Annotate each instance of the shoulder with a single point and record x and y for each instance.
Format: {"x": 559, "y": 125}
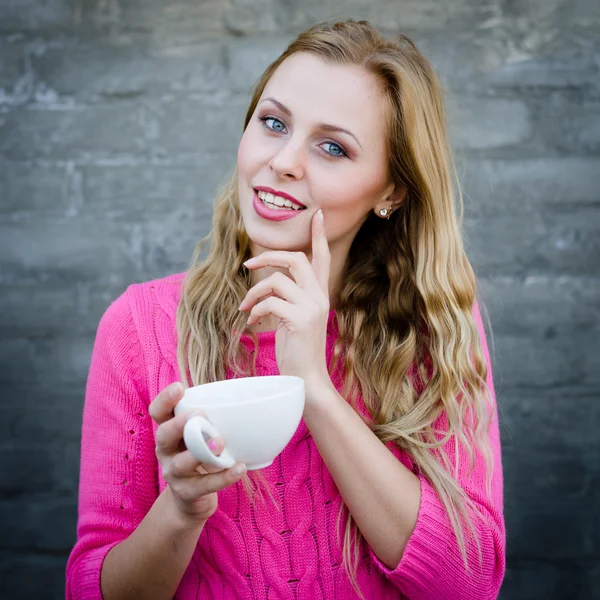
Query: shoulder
{"x": 164, "y": 293}
{"x": 139, "y": 297}
{"x": 145, "y": 310}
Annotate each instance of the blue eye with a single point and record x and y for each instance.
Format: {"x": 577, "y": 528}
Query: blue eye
{"x": 276, "y": 125}
{"x": 335, "y": 149}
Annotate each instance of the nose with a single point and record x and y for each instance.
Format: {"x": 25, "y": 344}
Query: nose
{"x": 288, "y": 162}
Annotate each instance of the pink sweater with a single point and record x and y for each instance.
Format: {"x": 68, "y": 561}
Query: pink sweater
{"x": 246, "y": 551}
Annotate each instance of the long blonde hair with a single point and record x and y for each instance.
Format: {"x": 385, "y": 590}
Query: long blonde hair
{"x": 407, "y": 342}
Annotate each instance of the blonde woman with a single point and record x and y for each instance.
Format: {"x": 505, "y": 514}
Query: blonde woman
{"x": 336, "y": 256}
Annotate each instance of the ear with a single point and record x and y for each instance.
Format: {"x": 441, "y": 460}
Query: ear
{"x": 397, "y": 197}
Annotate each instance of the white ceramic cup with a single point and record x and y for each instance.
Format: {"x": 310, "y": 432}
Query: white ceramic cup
{"x": 255, "y": 416}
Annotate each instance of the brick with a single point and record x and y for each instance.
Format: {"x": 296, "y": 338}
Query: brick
{"x": 543, "y": 305}
{"x": 550, "y": 17}
{"x": 32, "y": 467}
{"x": 478, "y": 123}
{"x": 462, "y": 60}
{"x": 570, "y": 537}
{"x": 84, "y": 250}
{"x": 27, "y": 188}
{"x": 188, "y": 128}
{"x": 249, "y": 57}
{"x": 30, "y": 15}
{"x": 12, "y": 67}
{"x": 78, "y": 132}
{"x": 550, "y": 478}
{"x": 168, "y": 245}
{"x": 499, "y": 187}
{"x": 90, "y": 250}
{"x": 531, "y": 579}
{"x": 45, "y": 412}
{"x": 543, "y": 362}
{"x": 193, "y": 127}
{"x": 534, "y": 10}
{"x": 62, "y": 360}
{"x": 27, "y": 309}
{"x": 546, "y": 72}
{"x": 34, "y": 310}
{"x": 99, "y": 71}
{"x": 575, "y": 412}
{"x": 566, "y": 122}
{"x": 543, "y": 331}
{"x": 540, "y": 243}
{"x": 44, "y": 524}
{"x": 186, "y": 190}
{"x": 180, "y": 20}
{"x": 271, "y": 16}
{"x": 593, "y": 574}
{"x": 18, "y": 583}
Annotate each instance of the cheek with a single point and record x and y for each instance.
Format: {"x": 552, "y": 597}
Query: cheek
{"x": 253, "y": 151}
{"x": 244, "y": 156}
{"x": 346, "y": 192}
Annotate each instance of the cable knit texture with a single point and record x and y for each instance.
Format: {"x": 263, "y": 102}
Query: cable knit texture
{"x": 251, "y": 551}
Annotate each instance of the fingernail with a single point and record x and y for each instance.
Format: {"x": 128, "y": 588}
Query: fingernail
{"x": 320, "y": 216}
{"x": 212, "y": 444}
{"x": 239, "y": 469}
{"x": 175, "y": 390}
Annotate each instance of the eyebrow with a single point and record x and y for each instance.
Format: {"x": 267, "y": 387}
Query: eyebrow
{"x": 284, "y": 109}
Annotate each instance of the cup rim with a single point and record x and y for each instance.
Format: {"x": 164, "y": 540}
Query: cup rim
{"x": 299, "y": 382}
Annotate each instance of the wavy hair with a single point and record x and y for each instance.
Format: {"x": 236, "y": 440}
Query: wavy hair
{"x": 408, "y": 343}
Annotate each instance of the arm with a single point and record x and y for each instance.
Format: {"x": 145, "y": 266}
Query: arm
{"x": 129, "y": 542}
{"x": 369, "y": 477}
{"x": 399, "y": 513}
{"x": 151, "y": 562}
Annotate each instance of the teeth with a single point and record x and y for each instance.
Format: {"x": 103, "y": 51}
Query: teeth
{"x": 278, "y": 201}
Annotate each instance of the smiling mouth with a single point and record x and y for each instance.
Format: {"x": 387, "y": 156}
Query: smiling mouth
{"x": 276, "y": 202}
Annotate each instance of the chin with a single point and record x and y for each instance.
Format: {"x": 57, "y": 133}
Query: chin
{"x": 272, "y": 242}
{"x": 266, "y": 236}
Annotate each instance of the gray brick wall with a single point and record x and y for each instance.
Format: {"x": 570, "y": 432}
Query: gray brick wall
{"x": 118, "y": 120}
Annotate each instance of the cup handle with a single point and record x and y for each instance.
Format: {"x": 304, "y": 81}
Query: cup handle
{"x": 194, "y": 440}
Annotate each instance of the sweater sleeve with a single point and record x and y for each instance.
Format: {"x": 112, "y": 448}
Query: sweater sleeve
{"x": 432, "y": 567}
{"x": 118, "y": 472}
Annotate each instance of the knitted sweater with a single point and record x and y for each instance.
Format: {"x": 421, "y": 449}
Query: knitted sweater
{"x": 251, "y": 551}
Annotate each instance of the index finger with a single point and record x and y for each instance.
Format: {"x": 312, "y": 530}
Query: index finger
{"x": 162, "y": 407}
{"x": 321, "y": 258}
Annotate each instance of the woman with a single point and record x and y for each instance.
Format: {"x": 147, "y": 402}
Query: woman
{"x": 374, "y": 306}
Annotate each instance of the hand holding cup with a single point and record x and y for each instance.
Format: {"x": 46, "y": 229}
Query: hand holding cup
{"x": 193, "y": 484}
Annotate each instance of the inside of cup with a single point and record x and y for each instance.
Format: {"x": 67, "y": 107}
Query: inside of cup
{"x": 244, "y": 389}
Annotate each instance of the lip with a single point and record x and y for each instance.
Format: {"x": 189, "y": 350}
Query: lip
{"x": 276, "y": 193}
{"x": 270, "y": 213}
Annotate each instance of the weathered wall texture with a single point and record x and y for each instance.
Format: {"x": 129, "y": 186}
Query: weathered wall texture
{"x": 119, "y": 118}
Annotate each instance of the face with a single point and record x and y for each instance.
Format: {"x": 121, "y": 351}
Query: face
{"x": 318, "y": 135}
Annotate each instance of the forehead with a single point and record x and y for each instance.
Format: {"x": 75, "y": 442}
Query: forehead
{"x": 344, "y": 95}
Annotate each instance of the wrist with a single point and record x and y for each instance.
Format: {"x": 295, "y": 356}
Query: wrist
{"x": 178, "y": 518}
{"x": 320, "y": 396}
